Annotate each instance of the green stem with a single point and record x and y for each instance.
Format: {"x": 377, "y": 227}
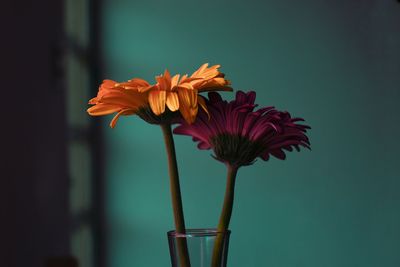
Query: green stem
{"x": 176, "y": 195}
{"x": 225, "y": 217}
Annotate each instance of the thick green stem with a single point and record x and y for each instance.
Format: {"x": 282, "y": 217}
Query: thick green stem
{"x": 176, "y": 195}
{"x": 225, "y": 217}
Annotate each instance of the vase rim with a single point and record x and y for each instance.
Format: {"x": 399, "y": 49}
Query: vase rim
{"x": 198, "y": 232}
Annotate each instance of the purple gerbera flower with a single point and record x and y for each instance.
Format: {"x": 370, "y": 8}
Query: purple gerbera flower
{"x": 238, "y": 133}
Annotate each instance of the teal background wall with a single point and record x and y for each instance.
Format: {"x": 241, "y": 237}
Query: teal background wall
{"x": 335, "y": 63}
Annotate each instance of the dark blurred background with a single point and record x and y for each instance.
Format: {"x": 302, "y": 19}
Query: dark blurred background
{"x": 74, "y": 192}
{"x": 50, "y": 191}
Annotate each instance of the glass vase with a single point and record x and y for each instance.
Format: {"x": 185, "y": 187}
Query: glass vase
{"x": 200, "y": 246}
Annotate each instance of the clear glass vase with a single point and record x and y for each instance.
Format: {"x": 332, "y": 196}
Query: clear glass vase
{"x": 200, "y": 246}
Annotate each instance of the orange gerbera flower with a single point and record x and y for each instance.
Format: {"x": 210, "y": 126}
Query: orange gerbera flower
{"x": 182, "y": 93}
{"x": 137, "y": 96}
{"x": 113, "y": 98}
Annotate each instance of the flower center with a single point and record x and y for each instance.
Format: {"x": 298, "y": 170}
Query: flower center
{"x": 235, "y": 149}
{"x": 167, "y": 117}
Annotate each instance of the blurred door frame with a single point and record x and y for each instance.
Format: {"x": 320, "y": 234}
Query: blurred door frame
{"x": 81, "y": 59}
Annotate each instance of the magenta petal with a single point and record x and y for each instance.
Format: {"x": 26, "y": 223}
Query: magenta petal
{"x": 204, "y": 145}
{"x": 239, "y": 134}
{"x": 265, "y": 156}
{"x": 214, "y": 97}
{"x": 278, "y": 154}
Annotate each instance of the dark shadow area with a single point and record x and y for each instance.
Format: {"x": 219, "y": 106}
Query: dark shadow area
{"x": 34, "y": 189}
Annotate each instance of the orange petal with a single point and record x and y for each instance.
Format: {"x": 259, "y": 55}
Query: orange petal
{"x": 164, "y": 81}
{"x": 203, "y": 105}
{"x": 107, "y": 84}
{"x": 122, "y": 112}
{"x": 209, "y": 88}
{"x": 199, "y": 70}
{"x": 172, "y": 101}
{"x": 148, "y": 88}
{"x": 184, "y": 77}
{"x": 93, "y": 101}
{"x": 185, "y": 86}
{"x": 206, "y": 72}
{"x": 157, "y": 101}
{"x": 188, "y": 104}
{"x": 135, "y": 84}
{"x": 167, "y": 74}
{"x": 138, "y": 82}
{"x": 215, "y": 84}
{"x": 103, "y": 109}
{"x": 125, "y": 100}
{"x": 174, "y": 81}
